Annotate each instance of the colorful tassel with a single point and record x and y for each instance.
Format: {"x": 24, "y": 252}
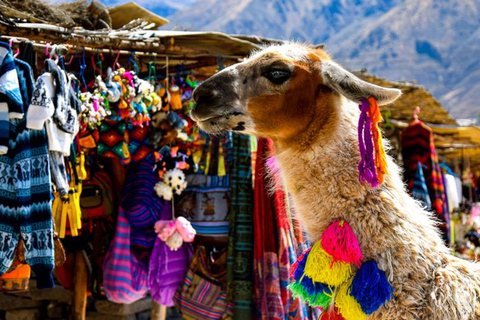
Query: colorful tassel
{"x": 331, "y": 314}
{"x": 339, "y": 241}
{"x": 300, "y": 266}
{"x": 320, "y": 267}
{"x": 347, "y": 306}
{"x": 380, "y": 156}
{"x": 324, "y": 279}
{"x": 316, "y": 300}
{"x": 370, "y": 287}
{"x": 366, "y": 167}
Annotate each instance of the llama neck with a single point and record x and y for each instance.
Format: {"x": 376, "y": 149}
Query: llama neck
{"x": 323, "y": 181}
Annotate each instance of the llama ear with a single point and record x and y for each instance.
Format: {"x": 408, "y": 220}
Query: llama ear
{"x": 354, "y": 88}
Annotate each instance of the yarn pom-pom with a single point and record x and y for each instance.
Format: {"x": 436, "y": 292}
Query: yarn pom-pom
{"x": 339, "y": 241}
{"x": 370, "y": 287}
{"x": 320, "y": 267}
{"x": 348, "y": 307}
{"x": 331, "y": 314}
{"x": 320, "y": 300}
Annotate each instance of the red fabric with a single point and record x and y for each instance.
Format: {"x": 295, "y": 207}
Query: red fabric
{"x": 418, "y": 146}
{"x": 267, "y": 279}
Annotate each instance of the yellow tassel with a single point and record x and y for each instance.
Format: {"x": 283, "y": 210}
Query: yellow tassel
{"x": 320, "y": 269}
{"x": 348, "y": 307}
{"x": 380, "y": 156}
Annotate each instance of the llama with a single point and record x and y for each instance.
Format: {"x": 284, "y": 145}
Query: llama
{"x": 308, "y": 105}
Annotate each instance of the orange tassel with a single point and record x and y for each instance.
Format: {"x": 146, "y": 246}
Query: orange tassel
{"x": 380, "y": 156}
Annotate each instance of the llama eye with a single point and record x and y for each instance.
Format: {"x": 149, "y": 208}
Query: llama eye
{"x": 277, "y": 76}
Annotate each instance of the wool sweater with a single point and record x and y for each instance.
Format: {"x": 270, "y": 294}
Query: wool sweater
{"x": 11, "y": 104}
{"x": 43, "y": 109}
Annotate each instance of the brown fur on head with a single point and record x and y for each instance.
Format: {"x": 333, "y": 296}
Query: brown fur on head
{"x": 281, "y": 92}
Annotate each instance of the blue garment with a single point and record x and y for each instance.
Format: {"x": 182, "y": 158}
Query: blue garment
{"x": 25, "y": 206}
{"x": 11, "y": 104}
{"x": 25, "y": 203}
{"x": 419, "y": 189}
{"x": 25, "y": 82}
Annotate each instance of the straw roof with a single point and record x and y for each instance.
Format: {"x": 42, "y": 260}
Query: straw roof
{"x": 123, "y": 14}
{"x": 413, "y": 95}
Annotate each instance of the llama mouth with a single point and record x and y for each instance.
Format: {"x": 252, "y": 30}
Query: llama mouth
{"x": 214, "y": 125}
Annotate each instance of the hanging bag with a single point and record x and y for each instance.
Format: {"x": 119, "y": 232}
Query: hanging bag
{"x": 124, "y": 278}
{"x": 203, "y": 294}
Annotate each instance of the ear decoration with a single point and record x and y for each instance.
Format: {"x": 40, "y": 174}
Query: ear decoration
{"x": 373, "y": 160}
{"x": 354, "y": 88}
{"x": 324, "y": 277}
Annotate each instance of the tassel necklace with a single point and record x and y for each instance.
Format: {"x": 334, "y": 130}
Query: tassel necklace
{"x": 324, "y": 277}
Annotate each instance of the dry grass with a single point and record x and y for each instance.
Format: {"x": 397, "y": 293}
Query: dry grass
{"x": 78, "y": 13}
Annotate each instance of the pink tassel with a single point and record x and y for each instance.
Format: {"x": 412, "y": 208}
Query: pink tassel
{"x": 339, "y": 241}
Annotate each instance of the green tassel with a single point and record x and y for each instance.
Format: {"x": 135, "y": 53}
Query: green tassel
{"x": 319, "y": 300}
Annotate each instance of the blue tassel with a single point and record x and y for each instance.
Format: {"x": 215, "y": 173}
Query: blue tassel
{"x": 298, "y": 274}
{"x": 315, "y": 288}
{"x": 370, "y": 287}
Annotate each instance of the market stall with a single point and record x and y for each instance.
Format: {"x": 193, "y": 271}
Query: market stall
{"x": 129, "y": 203}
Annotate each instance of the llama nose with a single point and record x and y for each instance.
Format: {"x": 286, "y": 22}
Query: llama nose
{"x": 205, "y": 99}
{"x": 204, "y": 93}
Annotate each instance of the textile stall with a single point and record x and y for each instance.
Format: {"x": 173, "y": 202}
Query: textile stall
{"x": 113, "y": 203}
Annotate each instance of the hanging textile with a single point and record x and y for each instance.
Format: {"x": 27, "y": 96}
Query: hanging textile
{"x": 24, "y": 178}
{"x": 124, "y": 277}
{"x": 142, "y": 206}
{"x": 418, "y": 146}
{"x": 167, "y": 267}
{"x": 419, "y": 188}
{"x": 268, "y": 293}
{"x": 240, "y": 245}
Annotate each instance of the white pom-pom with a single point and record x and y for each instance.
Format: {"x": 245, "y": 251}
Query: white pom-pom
{"x": 163, "y": 191}
{"x": 176, "y": 180}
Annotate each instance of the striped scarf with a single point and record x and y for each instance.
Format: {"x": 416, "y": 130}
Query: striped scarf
{"x": 240, "y": 246}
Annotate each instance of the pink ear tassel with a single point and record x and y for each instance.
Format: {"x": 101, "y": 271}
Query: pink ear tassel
{"x": 339, "y": 241}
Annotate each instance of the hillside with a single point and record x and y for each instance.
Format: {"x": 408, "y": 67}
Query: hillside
{"x": 433, "y": 42}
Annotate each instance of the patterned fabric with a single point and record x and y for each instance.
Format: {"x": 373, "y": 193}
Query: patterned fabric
{"x": 418, "y": 146}
{"x": 268, "y": 295}
{"x": 65, "y": 116}
{"x": 240, "y": 245}
{"x": 11, "y": 105}
{"x": 124, "y": 277}
{"x": 41, "y": 112}
{"x": 202, "y": 296}
{"x": 419, "y": 189}
{"x": 142, "y": 206}
{"x": 25, "y": 206}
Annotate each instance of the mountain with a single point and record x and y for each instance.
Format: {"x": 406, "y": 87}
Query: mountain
{"x": 435, "y": 43}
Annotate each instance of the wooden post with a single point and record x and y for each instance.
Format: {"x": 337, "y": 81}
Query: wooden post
{"x": 80, "y": 280}
{"x": 159, "y": 312}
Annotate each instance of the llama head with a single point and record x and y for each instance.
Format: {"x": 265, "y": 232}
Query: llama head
{"x": 278, "y": 91}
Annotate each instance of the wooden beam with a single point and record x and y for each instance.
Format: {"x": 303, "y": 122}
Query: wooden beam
{"x": 80, "y": 281}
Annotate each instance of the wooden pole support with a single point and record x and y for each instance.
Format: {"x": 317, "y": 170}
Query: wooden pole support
{"x": 159, "y": 312}
{"x": 79, "y": 307}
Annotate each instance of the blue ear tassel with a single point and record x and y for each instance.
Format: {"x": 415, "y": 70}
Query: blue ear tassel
{"x": 370, "y": 287}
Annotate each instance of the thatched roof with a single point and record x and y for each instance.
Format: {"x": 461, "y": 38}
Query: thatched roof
{"x": 123, "y": 14}
{"x": 80, "y": 13}
{"x": 432, "y": 111}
